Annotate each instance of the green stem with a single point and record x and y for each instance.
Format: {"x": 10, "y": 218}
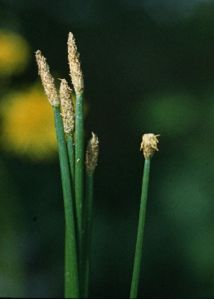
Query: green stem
{"x": 88, "y": 229}
{"x": 71, "y": 266}
{"x": 70, "y": 147}
{"x": 79, "y": 160}
{"x": 140, "y": 232}
{"x": 79, "y": 177}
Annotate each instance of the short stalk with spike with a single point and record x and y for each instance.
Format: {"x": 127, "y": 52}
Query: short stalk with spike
{"x": 92, "y": 153}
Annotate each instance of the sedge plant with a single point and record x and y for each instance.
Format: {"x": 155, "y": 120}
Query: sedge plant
{"x": 71, "y": 259}
{"x": 148, "y": 146}
{"x": 77, "y": 168}
{"x": 69, "y": 125}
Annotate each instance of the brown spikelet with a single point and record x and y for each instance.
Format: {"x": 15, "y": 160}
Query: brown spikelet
{"x": 47, "y": 79}
{"x": 67, "y": 109}
{"x": 74, "y": 65}
{"x": 92, "y": 153}
{"x": 149, "y": 144}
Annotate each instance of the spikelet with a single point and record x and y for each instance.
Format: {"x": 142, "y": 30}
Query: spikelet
{"x": 92, "y": 153}
{"x": 67, "y": 109}
{"x": 149, "y": 144}
{"x": 74, "y": 65}
{"x": 47, "y": 79}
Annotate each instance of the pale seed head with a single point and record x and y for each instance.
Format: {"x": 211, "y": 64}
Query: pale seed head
{"x": 67, "y": 109}
{"x": 47, "y": 79}
{"x": 74, "y": 65}
{"x": 149, "y": 144}
{"x": 92, "y": 153}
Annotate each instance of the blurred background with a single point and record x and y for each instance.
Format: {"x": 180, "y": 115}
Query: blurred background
{"x": 148, "y": 67}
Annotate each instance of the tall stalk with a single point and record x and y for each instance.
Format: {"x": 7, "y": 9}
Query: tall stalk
{"x": 79, "y": 183}
{"x": 71, "y": 263}
{"x": 78, "y": 84}
{"x": 140, "y": 232}
{"x": 149, "y": 146}
{"x": 71, "y": 266}
{"x": 67, "y": 113}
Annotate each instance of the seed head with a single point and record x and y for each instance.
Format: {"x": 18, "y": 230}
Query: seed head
{"x": 47, "y": 79}
{"x": 92, "y": 153}
{"x": 67, "y": 109}
{"x": 74, "y": 65}
{"x": 149, "y": 144}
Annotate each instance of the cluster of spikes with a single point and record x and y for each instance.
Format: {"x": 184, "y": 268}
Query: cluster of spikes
{"x": 64, "y": 100}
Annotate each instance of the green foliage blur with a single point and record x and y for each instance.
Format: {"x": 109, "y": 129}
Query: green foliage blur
{"x": 148, "y": 67}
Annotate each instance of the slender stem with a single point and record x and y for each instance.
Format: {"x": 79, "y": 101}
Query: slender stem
{"x": 79, "y": 180}
{"x": 88, "y": 229}
{"x": 71, "y": 265}
{"x": 140, "y": 232}
{"x": 79, "y": 161}
{"x": 70, "y": 147}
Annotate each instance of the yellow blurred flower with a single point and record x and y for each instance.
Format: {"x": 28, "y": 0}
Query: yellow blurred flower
{"x": 28, "y": 125}
{"x": 14, "y": 53}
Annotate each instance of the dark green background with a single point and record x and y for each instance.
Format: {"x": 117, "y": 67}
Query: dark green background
{"x": 148, "y": 67}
